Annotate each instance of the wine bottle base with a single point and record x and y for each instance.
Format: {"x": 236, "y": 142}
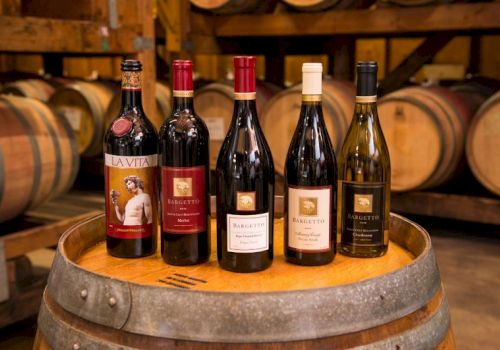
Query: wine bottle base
{"x": 309, "y": 259}
{"x": 244, "y": 269}
{"x": 130, "y": 248}
{"x": 185, "y": 262}
{"x": 362, "y": 251}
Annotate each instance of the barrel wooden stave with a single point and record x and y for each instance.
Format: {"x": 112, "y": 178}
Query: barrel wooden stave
{"x": 226, "y": 7}
{"x": 483, "y": 142}
{"x": 84, "y": 104}
{"x": 34, "y": 88}
{"x": 281, "y": 114}
{"x": 405, "y": 307}
{"x": 38, "y": 152}
{"x": 425, "y": 132}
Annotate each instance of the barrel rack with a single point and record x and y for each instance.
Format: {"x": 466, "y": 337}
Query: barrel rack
{"x": 56, "y": 29}
{"x": 333, "y": 33}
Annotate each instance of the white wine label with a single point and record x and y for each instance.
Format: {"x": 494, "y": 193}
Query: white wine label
{"x": 362, "y": 220}
{"x": 309, "y": 218}
{"x": 216, "y": 128}
{"x": 130, "y": 161}
{"x": 247, "y": 233}
{"x": 74, "y": 117}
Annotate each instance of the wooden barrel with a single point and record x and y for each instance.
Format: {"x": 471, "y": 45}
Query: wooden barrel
{"x": 226, "y": 7}
{"x": 214, "y": 104}
{"x": 38, "y": 155}
{"x": 84, "y": 105}
{"x": 34, "y": 88}
{"x": 281, "y": 115}
{"x": 411, "y": 3}
{"x": 321, "y": 5}
{"x": 162, "y": 98}
{"x": 425, "y": 131}
{"x": 483, "y": 143}
{"x": 476, "y": 91}
{"x": 96, "y": 301}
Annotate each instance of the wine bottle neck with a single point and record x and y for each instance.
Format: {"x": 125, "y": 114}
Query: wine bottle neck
{"x": 311, "y": 107}
{"x": 131, "y": 92}
{"x": 365, "y": 110}
{"x": 131, "y": 100}
{"x": 245, "y": 111}
{"x": 183, "y": 103}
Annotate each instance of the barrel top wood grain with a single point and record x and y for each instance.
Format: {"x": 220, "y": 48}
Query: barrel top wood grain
{"x": 483, "y": 143}
{"x": 284, "y": 303}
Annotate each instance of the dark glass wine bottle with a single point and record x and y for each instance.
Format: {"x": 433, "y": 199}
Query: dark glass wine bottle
{"x": 245, "y": 183}
{"x": 310, "y": 180}
{"x": 184, "y": 160}
{"x": 130, "y": 155}
{"x": 364, "y": 185}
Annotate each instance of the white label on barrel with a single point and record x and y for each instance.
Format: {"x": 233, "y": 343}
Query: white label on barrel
{"x": 216, "y": 128}
{"x": 247, "y": 233}
{"x": 74, "y": 117}
{"x": 309, "y": 216}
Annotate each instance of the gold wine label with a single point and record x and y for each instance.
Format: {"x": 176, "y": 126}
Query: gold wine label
{"x": 363, "y": 203}
{"x": 186, "y": 93}
{"x": 131, "y": 80}
{"x": 245, "y": 95}
{"x": 366, "y": 99}
{"x": 311, "y": 98}
{"x": 308, "y": 206}
{"x": 245, "y": 201}
{"x": 183, "y": 186}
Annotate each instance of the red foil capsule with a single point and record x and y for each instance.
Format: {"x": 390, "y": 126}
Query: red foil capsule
{"x": 244, "y": 73}
{"x": 183, "y": 75}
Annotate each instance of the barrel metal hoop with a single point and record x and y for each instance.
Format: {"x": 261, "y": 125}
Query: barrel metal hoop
{"x": 61, "y": 335}
{"x": 425, "y": 336}
{"x": 99, "y": 299}
{"x": 247, "y": 317}
{"x": 55, "y": 142}
{"x": 37, "y": 168}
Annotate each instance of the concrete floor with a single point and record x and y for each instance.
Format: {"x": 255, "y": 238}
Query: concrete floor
{"x": 469, "y": 261}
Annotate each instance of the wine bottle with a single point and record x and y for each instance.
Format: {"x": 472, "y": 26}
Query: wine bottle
{"x": 245, "y": 182}
{"x": 184, "y": 160}
{"x": 130, "y": 156}
{"x": 310, "y": 180}
{"x": 364, "y": 175}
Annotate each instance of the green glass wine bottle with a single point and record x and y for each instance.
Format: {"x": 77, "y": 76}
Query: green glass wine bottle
{"x": 364, "y": 175}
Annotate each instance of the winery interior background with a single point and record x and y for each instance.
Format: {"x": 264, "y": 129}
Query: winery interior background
{"x": 67, "y": 55}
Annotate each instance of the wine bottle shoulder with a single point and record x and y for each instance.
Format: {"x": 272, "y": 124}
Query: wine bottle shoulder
{"x": 181, "y": 125}
{"x": 141, "y": 138}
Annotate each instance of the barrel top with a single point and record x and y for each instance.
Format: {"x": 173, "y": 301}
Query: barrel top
{"x": 204, "y": 302}
{"x": 209, "y": 277}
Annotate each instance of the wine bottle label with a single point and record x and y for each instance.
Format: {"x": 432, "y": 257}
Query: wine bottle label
{"x": 184, "y": 193}
{"x": 131, "y": 198}
{"x": 131, "y": 80}
{"x": 183, "y": 93}
{"x": 366, "y": 99}
{"x": 362, "y": 220}
{"x": 309, "y": 218}
{"x": 247, "y": 233}
{"x": 245, "y": 95}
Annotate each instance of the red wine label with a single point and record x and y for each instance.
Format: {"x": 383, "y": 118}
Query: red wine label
{"x": 309, "y": 218}
{"x": 362, "y": 220}
{"x": 247, "y": 233}
{"x": 131, "y": 199}
{"x": 184, "y": 193}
